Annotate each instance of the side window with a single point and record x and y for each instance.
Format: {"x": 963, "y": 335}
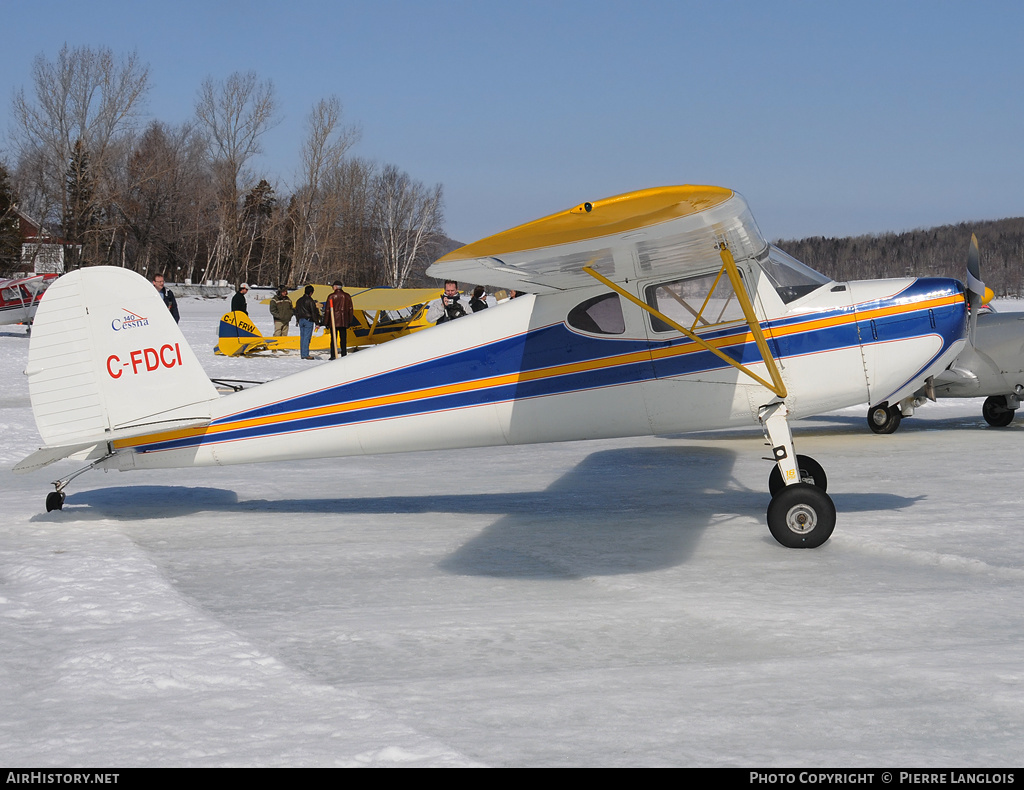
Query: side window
{"x": 600, "y": 315}
{"x": 11, "y": 294}
{"x": 696, "y": 302}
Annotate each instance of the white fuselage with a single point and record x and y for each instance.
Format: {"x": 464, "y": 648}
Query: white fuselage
{"x": 522, "y": 373}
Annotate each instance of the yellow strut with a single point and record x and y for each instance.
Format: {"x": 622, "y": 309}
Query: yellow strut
{"x": 776, "y": 385}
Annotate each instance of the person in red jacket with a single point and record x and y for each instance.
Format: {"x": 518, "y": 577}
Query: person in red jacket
{"x": 338, "y": 318}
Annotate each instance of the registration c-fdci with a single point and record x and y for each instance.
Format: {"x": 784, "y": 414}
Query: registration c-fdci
{"x": 145, "y": 360}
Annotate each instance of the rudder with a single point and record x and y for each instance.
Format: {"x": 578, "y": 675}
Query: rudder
{"x": 236, "y": 334}
{"x": 106, "y": 355}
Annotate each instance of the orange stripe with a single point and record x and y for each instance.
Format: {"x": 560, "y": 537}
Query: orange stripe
{"x": 534, "y": 375}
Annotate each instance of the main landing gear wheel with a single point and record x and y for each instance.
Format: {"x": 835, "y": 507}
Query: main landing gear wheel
{"x": 801, "y": 516}
{"x": 996, "y": 412}
{"x": 54, "y": 501}
{"x": 884, "y": 418}
{"x": 810, "y": 472}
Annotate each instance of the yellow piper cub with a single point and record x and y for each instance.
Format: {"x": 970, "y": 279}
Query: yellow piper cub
{"x": 381, "y": 314}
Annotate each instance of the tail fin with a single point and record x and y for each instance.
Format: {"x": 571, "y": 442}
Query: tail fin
{"x": 106, "y": 359}
{"x": 237, "y": 334}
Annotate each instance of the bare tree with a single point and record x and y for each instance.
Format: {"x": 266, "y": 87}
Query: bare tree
{"x": 86, "y": 99}
{"x": 167, "y": 201}
{"x": 358, "y": 256}
{"x": 236, "y": 113}
{"x": 316, "y": 208}
{"x": 409, "y": 217}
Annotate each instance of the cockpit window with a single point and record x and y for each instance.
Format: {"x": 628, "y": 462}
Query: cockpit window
{"x": 696, "y": 302}
{"x": 790, "y": 278}
{"x": 601, "y": 315}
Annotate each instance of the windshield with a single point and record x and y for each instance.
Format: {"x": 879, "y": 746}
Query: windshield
{"x": 790, "y": 278}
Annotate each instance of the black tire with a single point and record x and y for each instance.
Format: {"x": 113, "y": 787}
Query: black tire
{"x": 801, "y": 516}
{"x": 996, "y": 412}
{"x": 884, "y": 418}
{"x": 54, "y": 501}
{"x": 810, "y": 472}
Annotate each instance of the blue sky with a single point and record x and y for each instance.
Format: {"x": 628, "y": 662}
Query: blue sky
{"x": 831, "y": 118}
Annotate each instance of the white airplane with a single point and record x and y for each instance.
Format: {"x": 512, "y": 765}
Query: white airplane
{"x": 990, "y": 366}
{"x": 19, "y": 297}
{"x": 654, "y": 312}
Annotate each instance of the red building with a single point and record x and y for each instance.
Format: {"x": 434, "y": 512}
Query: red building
{"x": 41, "y": 251}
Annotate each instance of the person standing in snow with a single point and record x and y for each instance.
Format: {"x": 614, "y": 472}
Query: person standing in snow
{"x": 168, "y": 296}
{"x": 238, "y": 303}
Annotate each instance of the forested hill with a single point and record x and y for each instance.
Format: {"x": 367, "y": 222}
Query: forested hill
{"x": 940, "y": 251}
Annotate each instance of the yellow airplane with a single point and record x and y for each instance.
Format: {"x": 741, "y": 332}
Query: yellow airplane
{"x": 381, "y": 314}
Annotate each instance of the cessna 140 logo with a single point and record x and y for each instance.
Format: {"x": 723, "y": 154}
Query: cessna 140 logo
{"x": 128, "y": 321}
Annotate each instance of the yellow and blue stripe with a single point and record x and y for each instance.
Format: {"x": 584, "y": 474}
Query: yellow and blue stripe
{"x": 556, "y": 360}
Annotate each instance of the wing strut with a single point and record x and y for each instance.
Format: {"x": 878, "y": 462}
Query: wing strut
{"x": 776, "y": 385}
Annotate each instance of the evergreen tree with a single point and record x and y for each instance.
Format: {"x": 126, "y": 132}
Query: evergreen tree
{"x": 82, "y": 216}
{"x": 257, "y": 213}
{"x": 10, "y": 236}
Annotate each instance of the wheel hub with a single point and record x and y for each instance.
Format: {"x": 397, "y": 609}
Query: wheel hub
{"x": 801, "y": 519}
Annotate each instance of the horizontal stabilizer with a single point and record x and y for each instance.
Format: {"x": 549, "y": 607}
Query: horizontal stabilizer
{"x": 45, "y": 456}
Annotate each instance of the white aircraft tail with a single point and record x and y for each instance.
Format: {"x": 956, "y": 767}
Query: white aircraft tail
{"x": 107, "y": 361}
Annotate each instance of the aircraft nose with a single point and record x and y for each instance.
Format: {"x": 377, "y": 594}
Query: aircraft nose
{"x": 950, "y": 310}
{"x": 910, "y": 333}
{"x": 889, "y": 310}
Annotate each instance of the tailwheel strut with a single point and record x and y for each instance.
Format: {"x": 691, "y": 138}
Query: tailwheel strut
{"x": 801, "y": 515}
{"x": 55, "y": 499}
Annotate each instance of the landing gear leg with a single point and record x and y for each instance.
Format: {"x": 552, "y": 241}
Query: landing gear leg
{"x": 55, "y": 499}
{"x": 801, "y": 515}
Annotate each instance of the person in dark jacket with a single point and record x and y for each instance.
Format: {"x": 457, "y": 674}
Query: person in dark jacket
{"x": 168, "y": 296}
{"x": 308, "y": 315}
{"x": 338, "y": 317}
{"x": 238, "y": 303}
{"x": 479, "y": 300}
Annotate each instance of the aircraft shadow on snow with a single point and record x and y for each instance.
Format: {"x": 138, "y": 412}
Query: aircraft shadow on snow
{"x": 618, "y": 511}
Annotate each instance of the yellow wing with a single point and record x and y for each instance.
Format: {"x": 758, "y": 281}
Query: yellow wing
{"x": 670, "y": 230}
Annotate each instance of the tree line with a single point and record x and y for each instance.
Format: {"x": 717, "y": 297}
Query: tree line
{"x": 186, "y": 200}
{"x": 934, "y": 252}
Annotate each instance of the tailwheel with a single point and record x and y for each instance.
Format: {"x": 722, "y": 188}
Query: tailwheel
{"x": 810, "y": 471}
{"x": 884, "y": 418}
{"x": 801, "y": 516}
{"x": 54, "y": 501}
{"x": 996, "y": 411}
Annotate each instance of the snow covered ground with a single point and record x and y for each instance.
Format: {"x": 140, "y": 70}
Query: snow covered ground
{"x": 605, "y": 603}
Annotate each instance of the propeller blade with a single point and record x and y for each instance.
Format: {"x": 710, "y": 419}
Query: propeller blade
{"x": 975, "y": 285}
{"x": 975, "y": 288}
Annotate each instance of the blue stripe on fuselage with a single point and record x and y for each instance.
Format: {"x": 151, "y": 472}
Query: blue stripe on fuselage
{"x": 555, "y": 345}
